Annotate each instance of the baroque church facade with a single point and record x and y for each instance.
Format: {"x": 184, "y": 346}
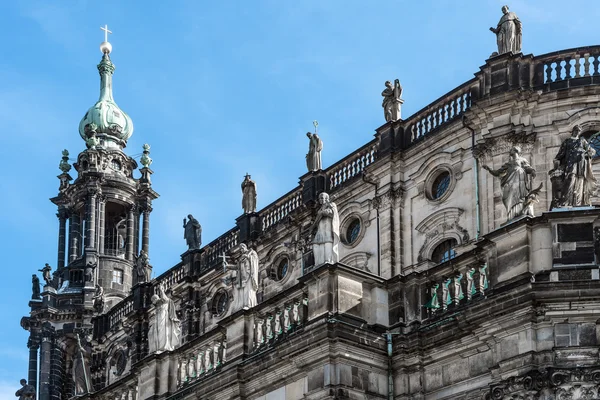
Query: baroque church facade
{"x": 454, "y": 256}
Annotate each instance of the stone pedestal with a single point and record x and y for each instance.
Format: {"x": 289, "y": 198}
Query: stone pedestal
{"x": 313, "y": 184}
{"x": 249, "y": 225}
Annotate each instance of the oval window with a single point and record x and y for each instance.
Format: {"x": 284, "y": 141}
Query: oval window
{"x": 353, "y": 231}
{"x": 440, "y": 185}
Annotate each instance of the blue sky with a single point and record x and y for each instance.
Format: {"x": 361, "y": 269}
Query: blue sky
{"x": 221, "y": 88}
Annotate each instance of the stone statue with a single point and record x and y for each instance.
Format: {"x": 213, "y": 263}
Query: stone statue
{"x": 327, "y": 232}
{"x": 433, "y": 303}
{"x": 508, "y": 32}
{"x": 246, "y": 279}
{"x": 248, "y": 195}
{"x": 35, "y": 287}
{"x": 80, "y": 370}
{"x": 515, "y": 180}
{"x": 392, "y": 101}
{"x": 575, "y": 161}
{"x": 89, "y": 271}
{"x": 46, "y": 274}
{"x": 98, "y": 299}
{"x": 27, "y": 392}
{"x": 482, "y": 284}
{"x": 313, "y": 158}
{"x": 192, "y": 232}
{"x": 141, "y": 267}
{"x": 166, "y": 329}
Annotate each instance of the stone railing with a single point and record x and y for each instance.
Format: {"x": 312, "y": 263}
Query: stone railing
{"x": 275, "y": 321}
{"x": 456, "y": 287}
{"x": 351, "y": 166}
{"x": 122, "y": 390}
{"x": 220, "y": 245}
{"x": 442, "y": 111}
{"x": 201, "y": 360}
{"x": 275, "y": 212}
{"x": 119, "y": 311}
{"x": 568, "y": 68}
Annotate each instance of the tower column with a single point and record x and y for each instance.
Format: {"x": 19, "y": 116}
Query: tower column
{"x": 146, "y": 229}
{"x": 136, "y": 231}
{"x": 62, "y": 237}
{"x": 90, "y": 219}
{"x": 129, "y": 248}
{"x": 74, "y": 236}
{"x": 32, "y": 375}
{"x": 101, "y": 223}
{"x": 45, "y": 359}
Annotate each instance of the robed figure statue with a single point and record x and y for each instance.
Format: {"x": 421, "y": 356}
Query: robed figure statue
{"x": 313, "y": 157}
{"x": 246, "y": 281}
{"x": 515, "y": 180}
{"x": 392, "y": 101}
{"x": 27, "y": 392}
{"x": 248, "y": 195}
{"x": 142, "y": 265}
{"x": 327, "y": 232}
{"x": 509, "y": 32}
{"x": 192, "y": 232}
{"x": 81, "y": 372}
{"x": 575, "y": 163}
{"x": 166, "y": 328}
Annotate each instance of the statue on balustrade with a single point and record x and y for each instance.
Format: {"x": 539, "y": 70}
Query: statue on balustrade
{"x": 142, "y": 266}
{"x": 192, "y": 232}
{"x": 248, "y": 195}
{"x": 509, "y": 32}
{"x": 27, "y": 392}
{"x": 46, "y": 274}
{"x": 313, "y": 158}
{"x": 98, "y": 299}
{"x": 516, "y": 176}
{"x": 35, "y": 287}
{"x": 246, "y": 279}
{"x": 327, "y": 232}
{"x": 392, "y": 101}
{"x": 81, "y": 372}
{"x": 166, "y": 327}
{"x": 574, "y": 163}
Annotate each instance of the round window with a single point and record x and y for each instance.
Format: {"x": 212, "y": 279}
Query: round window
{"x": 220, "y": 302}
{"x": 352, "y": 231}
{"x": 115, "y": 164}
{"x": 440, "y": 185}
{"x": 282, "y": 269}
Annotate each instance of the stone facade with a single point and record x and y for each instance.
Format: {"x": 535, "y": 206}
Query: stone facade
{"x": 436, "y": 295}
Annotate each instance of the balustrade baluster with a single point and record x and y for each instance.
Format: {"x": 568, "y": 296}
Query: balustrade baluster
{"x": 568, "y": 68}
{"x": 440, "y": 116}
{"x": 596, "y": 64}
{"x": 461, "y": 104}
{"x": 577, "y": 66}
{"x": 454, "y": 107}
{"x": 549, "y": 72}
{"x": 559, "y": 69}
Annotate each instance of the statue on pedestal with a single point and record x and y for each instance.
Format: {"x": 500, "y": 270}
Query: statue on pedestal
{"x": 27, "y": 392}
{"x": 46, "y": 274}
{"x": 192, "y": 232}
{"x": 246, "y": 279}
{"x": 141, "y": 267}
{"x": 575, "y": 163}
{"x": 392, "y": 101}
{"x": 327, "y": 232}
{"x": 313, "y": 157}
{"x": 166, "y": 327}
{"x": 35, "y": 287}
{"x": 81, "y": 371}
{"x": 89, "y": 271}
{"x": 248, "y": 195}
{"x": 98, "y": 299}
{"x": 516, "y": 176}
{"x": 509, "y": 32}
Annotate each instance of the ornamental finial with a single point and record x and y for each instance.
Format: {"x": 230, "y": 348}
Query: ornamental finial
{"x": 64, "y": 165}
{"x": 105, "y": 47}
{"x": 146, "y": 160}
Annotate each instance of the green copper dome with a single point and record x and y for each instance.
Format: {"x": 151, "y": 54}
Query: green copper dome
{"x": 105, "y": 120}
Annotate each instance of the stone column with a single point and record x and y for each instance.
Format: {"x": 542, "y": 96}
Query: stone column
{"x": 74, "y": 236}
{"x": 45, "y": 359}
{"x": 129, "y": 245}
{"x": 146, "y": 230}
{"x": 62, "y": 237}
{"x": 101, "y": 224}
{"x": 136, "y": 232}
{"x": 90, "y": 220}
{"x": 56, "y": 372}
{"x": 32, "y": 375}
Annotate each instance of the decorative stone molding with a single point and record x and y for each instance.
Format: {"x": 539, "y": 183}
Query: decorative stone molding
{"x": 358, "y": 260}
{"x": 441, "y": 225}
{"x": 492, "y": 146}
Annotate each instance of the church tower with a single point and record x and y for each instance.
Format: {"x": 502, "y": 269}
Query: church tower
{"x": 103, "y": 242}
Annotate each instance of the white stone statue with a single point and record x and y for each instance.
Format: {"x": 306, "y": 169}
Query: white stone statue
{"x": 313, "y": 157}
{"x": 392, "y": 102}
{"x": 509, "y": 32}
{"x": 327, "y": 232}
{"x": 246, "y": 279}
{"x": 81, "y": 373}
{"x": 207, "y": 363}
{"x": 166, "y": 329}
{"x": 248, "y": 195}
{"x": 199, "y": 369}
{"x": 577, "y": 181}
{"x": 259, "y": 337}
{"x": 191, "y": 371}
{"x": 515, "y": 176}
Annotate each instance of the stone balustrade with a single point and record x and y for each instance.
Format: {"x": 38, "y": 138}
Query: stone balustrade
{"x": 274, "y": 213}
{"x": 351, "y": 166}
{"x": 120, "y": 311}
{"x": 275, "y": 321}
{"x": 222, "y": 244}
{"x": 201, "y": 360}
{"x": 556, "y": 70}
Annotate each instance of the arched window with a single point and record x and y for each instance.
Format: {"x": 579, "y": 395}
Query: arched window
{"x": 444, "y": 251}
